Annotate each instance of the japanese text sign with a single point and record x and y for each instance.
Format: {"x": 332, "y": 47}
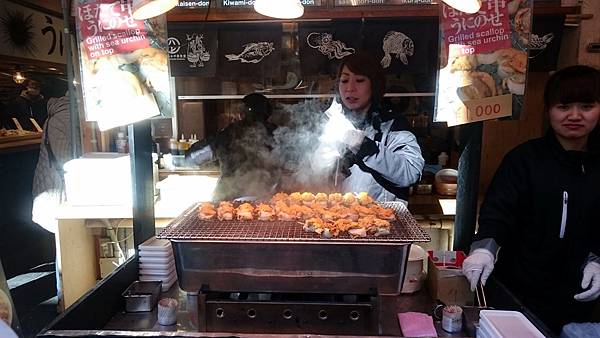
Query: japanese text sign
{"x": 485, "y": 31}
{"x": 483, "y": 62}
{"x": 108, "y": 28}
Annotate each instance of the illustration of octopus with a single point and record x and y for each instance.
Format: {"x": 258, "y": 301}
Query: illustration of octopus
{"x": 537, "y": 42}
{"x": 399, "y": 44}
{"x": 324, "y": 43}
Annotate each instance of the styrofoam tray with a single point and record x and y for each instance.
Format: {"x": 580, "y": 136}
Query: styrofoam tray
{"x": 155, "y": 245}
{"x": 156, "y": 266}
{"x": 167, "y": 282}
{"x": 155, "y": 253}
{"x": 509, "y": 324}
{"x": 159, "y": 272}
{"x": 167, "y": 285}
{"x": 157, "y": 260}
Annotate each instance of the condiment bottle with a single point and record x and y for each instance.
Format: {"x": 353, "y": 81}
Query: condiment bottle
{"x": 183, "y": 145}
{"x": 443, "y": 159}
{"x": 174, "y": 146}
{"x": 121, "y": 143}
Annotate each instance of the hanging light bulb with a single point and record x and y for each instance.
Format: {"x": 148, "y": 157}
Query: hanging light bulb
{"x": 467, "y": 6}
{"x": 280, "y": 9}
{"x": 145, "y": 9}
{"x": 18, "y": 77}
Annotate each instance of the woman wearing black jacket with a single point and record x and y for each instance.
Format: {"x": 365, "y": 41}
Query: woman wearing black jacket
{"x": 539, "y": 219}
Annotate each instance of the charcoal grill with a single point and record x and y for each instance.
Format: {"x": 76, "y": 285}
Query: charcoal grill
{"x": 279, "y": 259}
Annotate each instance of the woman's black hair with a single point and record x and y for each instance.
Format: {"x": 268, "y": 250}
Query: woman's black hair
{"x": 572, "y": 84}
{"x": 367, "y": 65}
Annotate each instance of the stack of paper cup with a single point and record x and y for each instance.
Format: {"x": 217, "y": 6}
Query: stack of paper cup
{"x": 167, "y": 311}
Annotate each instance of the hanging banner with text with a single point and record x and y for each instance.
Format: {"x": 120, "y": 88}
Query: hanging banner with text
{"x": 483, "y": 62}
{"x": 250, "y": 3}
{"x": 30, "y": 34}
{"x": 342, "y": 3}
{"x": 124, "y": 64}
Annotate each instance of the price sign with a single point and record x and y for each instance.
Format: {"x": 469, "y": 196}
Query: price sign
{"x": 484, "y": 109}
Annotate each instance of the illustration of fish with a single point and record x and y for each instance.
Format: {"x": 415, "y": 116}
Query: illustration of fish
{"x": 324, "y": 43}
{"x": 399, "y": 44}
{"x": 252, "y": 52}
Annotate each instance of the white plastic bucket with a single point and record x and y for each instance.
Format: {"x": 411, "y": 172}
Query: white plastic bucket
{"x": 414, "y": 278}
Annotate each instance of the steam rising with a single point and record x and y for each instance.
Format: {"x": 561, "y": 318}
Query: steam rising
{"x": 300, "y": 156}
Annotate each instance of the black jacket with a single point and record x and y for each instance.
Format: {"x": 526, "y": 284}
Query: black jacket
{"x": 523, "y": 212}
{"x": 247, "y": 165}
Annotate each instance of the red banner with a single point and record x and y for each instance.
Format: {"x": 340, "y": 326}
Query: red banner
{"x": 108, "y": 28}
{"x": 485, "y": 31}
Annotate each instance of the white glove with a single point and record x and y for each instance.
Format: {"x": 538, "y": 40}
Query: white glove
{"x": 353, "y": 139}
{"x": 479, "y": 264}
{"x": 591, "y": 279}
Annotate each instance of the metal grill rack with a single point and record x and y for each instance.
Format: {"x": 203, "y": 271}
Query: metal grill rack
{"x": 188, "y": 226}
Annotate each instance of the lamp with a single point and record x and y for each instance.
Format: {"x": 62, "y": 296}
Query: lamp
{"x": 280, "y": 9}
{"x": 145, "y": 9}
{"x": 18, "y": 77}
{"x": 467, "y": 6}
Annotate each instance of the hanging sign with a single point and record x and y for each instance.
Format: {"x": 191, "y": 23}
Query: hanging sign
{"x": 124, "y": 64}
{"x": 193, "y": 4}
{"x": 342, "y": 3}
{"x": 250, "y": 3}
{"x": 109, "y": 29}
{"x": 483, "y": 62}
{"x": 27, "y": 33}
{"x": 192, "y": 49}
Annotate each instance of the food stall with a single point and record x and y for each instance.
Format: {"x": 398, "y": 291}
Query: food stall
{"x": 233, "y": 280}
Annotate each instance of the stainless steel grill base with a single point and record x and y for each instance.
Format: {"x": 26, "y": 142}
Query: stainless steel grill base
{"x": 272, "y": 267}
{"x": 289, "y": 313}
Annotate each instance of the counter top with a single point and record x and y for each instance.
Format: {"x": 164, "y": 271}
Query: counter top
{"x": 187, "y": 316}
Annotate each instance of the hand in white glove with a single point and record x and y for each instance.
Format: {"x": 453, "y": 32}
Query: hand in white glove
{"x": 478, "y": 265}
{"x": 591, "y": 279}
{"x": 353, "y": 139}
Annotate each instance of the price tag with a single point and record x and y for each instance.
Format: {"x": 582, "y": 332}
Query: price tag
{"x": 17, "y": 123}
{"x": 488, "y": 108}
{"x": 36, "y": 125}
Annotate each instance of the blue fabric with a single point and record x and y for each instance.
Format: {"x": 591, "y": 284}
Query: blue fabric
{"x": 581, "y": 330}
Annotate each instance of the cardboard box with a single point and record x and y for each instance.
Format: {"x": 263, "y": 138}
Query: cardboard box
{"x": 445, "y": 280}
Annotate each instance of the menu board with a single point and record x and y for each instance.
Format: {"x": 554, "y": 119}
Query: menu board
{"x": 381, "y": 2}
{"x": 124, "y": 64}
{"x": 483, "y": 62}
{"x": 193, "y": 4}
{"x": 250, "y": 3}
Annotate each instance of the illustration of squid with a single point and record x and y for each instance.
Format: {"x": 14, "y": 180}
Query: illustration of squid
{"x": 196, "y": 52}
{"x": 537, "y": 42}
{"x": 399, "y": 44}
{"x": 324, "y": 43}
{"x": 252, "y": 52}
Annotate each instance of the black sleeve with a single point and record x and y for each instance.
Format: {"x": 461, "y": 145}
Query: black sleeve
{"x": 498, "y": 214}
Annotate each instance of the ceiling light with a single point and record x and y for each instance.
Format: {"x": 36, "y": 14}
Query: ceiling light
{"x": 145, "y": 9}
{"x": 280, "y": 9}
{"x": 467, "y": 6}
{"x": 18, "y": 77}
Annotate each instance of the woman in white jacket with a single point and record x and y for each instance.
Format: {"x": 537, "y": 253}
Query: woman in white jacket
{"x": 382, "y": 158}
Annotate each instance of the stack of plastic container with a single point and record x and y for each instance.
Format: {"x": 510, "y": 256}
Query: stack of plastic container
{"x": 505, "y": 324}
{"x": 157, "y": 262}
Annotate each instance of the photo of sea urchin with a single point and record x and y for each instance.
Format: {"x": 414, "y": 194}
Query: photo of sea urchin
{"x": 17, "y": 31}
